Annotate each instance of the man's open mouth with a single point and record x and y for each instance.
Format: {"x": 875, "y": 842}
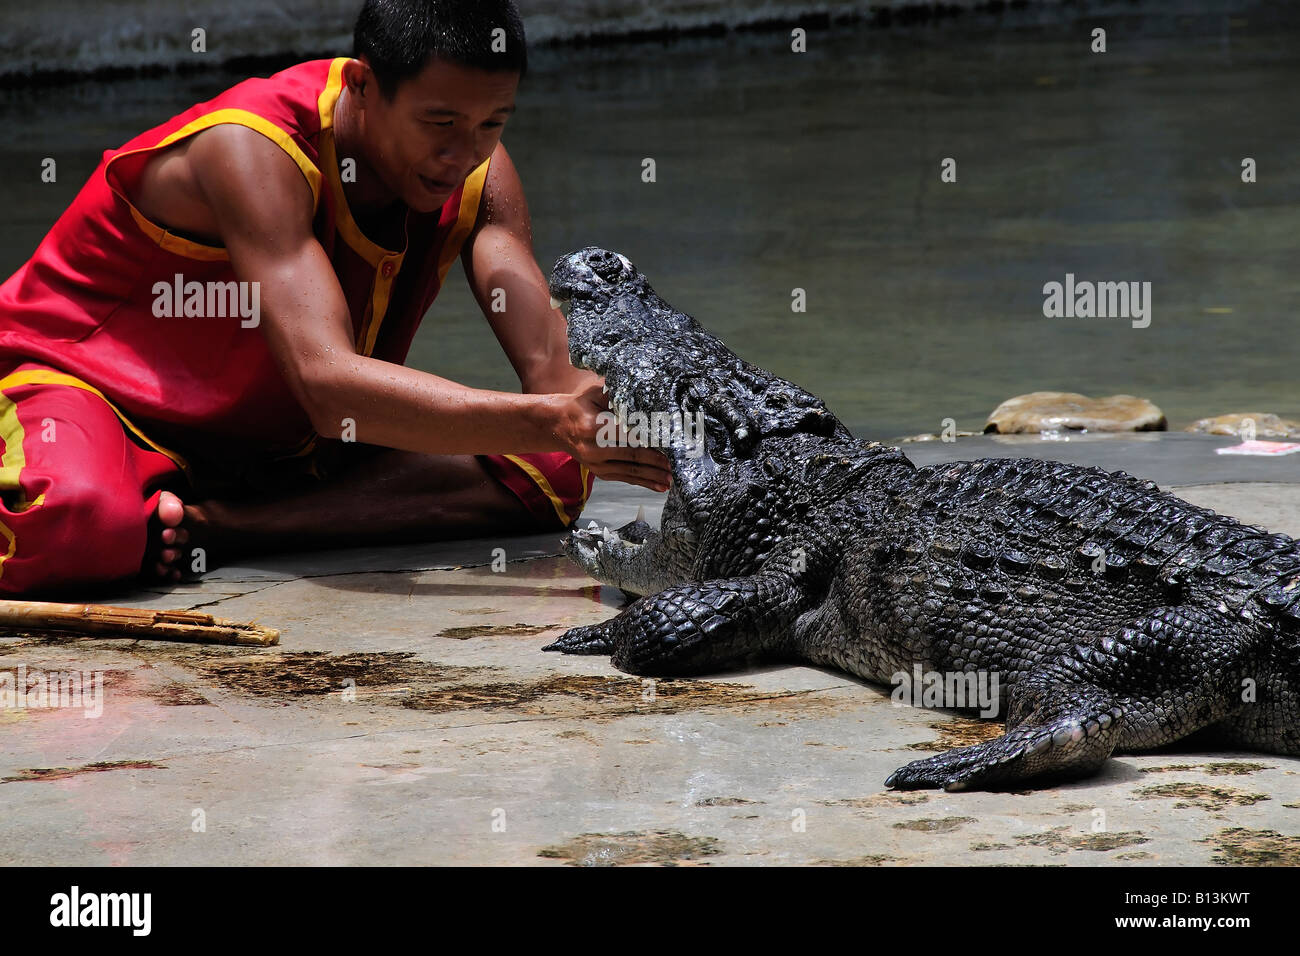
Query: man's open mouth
{"x": 436, "y": 185}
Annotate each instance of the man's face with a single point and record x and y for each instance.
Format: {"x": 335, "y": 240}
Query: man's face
{"x": 439, "y": 126}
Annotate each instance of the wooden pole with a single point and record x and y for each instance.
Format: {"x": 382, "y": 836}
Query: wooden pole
{"x": 189, "y": 626}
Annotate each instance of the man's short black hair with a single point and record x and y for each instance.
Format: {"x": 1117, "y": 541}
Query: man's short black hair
{"x": 399, "y": 37}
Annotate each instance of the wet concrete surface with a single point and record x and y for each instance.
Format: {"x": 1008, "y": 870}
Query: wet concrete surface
{"x": 409, "y": 717}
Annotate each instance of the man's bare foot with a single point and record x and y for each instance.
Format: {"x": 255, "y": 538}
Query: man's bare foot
{"x": 398, "y": 497}
{"x": 165, "y": 549}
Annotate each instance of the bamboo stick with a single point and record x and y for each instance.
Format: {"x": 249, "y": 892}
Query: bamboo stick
{"x": 188, "y": 626}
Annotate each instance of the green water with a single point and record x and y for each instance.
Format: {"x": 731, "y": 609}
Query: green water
{"x": 821, "y": 171}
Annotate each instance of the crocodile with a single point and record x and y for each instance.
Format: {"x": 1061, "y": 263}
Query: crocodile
{"x": 1116, "y": 617}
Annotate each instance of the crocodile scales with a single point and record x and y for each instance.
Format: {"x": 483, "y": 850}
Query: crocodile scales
{"x": 1118, "y": 617}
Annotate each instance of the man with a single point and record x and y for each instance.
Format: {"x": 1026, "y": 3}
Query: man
{"x": 203, "y": 357}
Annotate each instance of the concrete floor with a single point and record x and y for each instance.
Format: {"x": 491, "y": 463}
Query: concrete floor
{"x": 462, "y": 743}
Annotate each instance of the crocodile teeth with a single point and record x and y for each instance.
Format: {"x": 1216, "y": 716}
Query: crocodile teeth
{"x": 640, "y": 513}
{"x": 612, "y": 537}
{"x": 555, "y": 303}
{"x": 593, "y": 526}
{"x": 604, "y": 388}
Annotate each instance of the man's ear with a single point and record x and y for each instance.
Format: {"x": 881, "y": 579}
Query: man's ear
{"x": 359, "y": 78}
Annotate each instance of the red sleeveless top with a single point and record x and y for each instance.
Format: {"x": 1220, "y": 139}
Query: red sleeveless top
{"x": 208, "y": 388}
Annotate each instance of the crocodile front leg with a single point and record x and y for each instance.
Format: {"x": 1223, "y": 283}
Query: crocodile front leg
{"x": 695, "y": 628}
{"x": 1147, "y": 683}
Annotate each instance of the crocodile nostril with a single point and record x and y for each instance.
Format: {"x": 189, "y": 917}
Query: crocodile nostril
{"x": 605, "y": 264}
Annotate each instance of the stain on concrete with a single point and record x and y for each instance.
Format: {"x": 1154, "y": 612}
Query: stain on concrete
{"x": 1200, "y": 795}
{"x": 177, "y": 695}
{"x": 495, "y": 630}
{"x": 1238, "y": 846}
{"x": 979, "y": 847}
{"x": 1063, "y": 839}
{"x": 576, "y": 735}
{"x": 890, "y": 798}
{"x": 308, "y": 673}
{"x": 726, "y": 802}
{"x": 660, "y": 847}
{"x": 960, "y": 732}
{"x": 401, "y": 679}
{"x": 872, "y": 860}
{"x": 1236, "y": 768}
{"x": 1219, "y": 769}
{"x": 62, "y": 773}
{"x": 541, "y": 695}
{"x": 935, "y": 825}
{"x": 1135, "y": 855}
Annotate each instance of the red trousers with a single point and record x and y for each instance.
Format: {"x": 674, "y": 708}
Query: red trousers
{"x": 79, "y": 484}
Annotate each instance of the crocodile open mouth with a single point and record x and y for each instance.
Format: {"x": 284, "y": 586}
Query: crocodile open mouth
{"x": 589, "y": 540}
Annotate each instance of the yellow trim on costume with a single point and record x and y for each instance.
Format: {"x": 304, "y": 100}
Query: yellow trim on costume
{"x": 383, "y": 291}
{"x": 329, "y": 97}
{"x": 14, "y": 459}
{"x": 465, "y": 219}
{"x": 188, "y": 247}
{"x": 344, "y": 224}
{"x": 540, "y": 480}
{"x": 41, "y": 376}
{"x": 375, "y": 255}
{"x": 254, "y": 122}
{"x": 174, "y": 243}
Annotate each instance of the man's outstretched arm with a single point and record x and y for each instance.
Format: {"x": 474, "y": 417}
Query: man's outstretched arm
{"x": 263, "y": 212}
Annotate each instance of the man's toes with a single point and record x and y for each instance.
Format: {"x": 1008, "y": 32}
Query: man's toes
{"x": 170, "y": 510}
{"x": 175, "y": 536}
{"x": 169, "y": 556}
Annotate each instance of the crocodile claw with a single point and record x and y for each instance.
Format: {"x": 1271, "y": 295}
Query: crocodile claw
{"x": 1069, "y": 746}
{"x": 951, "y": 771}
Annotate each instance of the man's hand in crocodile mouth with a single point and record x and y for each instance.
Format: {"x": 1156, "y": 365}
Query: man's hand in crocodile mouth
{"x": 582, "y": 430}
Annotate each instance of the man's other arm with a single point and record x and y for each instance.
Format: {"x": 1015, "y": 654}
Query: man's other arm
{"x": 498, "y": 255}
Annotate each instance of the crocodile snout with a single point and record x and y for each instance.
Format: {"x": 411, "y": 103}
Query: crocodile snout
{"x": 589, "y": 272}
